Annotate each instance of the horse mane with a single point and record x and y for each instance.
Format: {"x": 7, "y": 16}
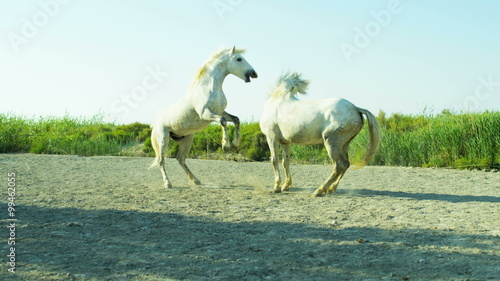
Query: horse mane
{"x": 215, "y": 57}
{"x": 289, "y": 84}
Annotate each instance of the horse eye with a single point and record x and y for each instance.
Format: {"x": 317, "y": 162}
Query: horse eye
{"x": 238, "y": 59}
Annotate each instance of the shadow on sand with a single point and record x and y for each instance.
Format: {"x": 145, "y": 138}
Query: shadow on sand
{"x": 421, "y": 196}
{"x": 76, "y": 244}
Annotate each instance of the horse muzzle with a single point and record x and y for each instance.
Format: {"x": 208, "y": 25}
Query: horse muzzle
{"x": 250, "y": 74}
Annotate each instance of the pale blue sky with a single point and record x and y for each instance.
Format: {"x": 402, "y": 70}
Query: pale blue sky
{"x": 85, "y": 57}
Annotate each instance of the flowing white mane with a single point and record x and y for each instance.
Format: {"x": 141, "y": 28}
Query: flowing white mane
{"x": 214, "y": 58}
{"x": 288, "y": 85}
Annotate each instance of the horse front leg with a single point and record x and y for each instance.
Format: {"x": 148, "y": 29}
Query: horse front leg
{"x": 209, "y": 115}
{"x": 273, "y": 146}
{"x": 236, "y": 121}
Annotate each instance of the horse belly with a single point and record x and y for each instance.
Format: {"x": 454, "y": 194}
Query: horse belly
{"x": 302, "y": 134}
{"x": 186, "y": 122}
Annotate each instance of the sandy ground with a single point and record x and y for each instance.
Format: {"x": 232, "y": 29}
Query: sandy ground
{"x": 109, "y": 218}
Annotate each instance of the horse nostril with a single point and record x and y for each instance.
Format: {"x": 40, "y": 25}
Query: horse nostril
{"x": 254, "y": 74}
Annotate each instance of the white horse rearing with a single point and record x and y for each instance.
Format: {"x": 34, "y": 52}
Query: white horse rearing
{"x": 203, "y": 104}
{"x": 334, "y": 122}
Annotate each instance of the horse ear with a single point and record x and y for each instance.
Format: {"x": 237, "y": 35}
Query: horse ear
{"x": 232, "y": 51}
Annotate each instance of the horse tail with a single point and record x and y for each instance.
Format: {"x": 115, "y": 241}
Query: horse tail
{"x": 375, "y": 135}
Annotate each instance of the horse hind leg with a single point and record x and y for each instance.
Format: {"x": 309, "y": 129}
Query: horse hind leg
{"x": 342, "y": 163}
{"x": 184, "y": 147}
{"x": 286, "y": 167}
{"x": 339, "y": 157}
{"x": 341, "y": 166}
{"x": 159, "y": 141}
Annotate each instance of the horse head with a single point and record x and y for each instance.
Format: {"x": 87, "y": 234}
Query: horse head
{"x": 238, "y": 66}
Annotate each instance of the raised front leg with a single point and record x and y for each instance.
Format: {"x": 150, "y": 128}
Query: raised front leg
{"x": 236, "y": 121}
{"x": 209, "y": 115}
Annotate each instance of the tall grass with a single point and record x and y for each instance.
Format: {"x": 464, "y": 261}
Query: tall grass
{"x": 469, "y": 140}
{"x": 66, "y": 135}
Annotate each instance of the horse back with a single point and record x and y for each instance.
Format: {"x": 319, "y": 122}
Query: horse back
{"x": 310, "y": 122}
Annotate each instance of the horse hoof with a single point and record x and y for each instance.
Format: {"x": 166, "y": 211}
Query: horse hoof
{"x": 317, "y": 193}
{"x": 194, "y": 180}
{"x": 277, "y": 190}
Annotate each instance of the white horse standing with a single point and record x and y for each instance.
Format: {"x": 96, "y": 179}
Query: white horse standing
{"x": 334, "y": 122}
{"x": 203, "y": 104}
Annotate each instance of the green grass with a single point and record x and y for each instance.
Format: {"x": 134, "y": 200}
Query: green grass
{"x": 67, "y": 135}
{"x": 468, "y": 140}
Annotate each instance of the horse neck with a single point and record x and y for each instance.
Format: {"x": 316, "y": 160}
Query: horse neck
{"x": 282, "y": 99}
{"x": 214, "y": 76}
